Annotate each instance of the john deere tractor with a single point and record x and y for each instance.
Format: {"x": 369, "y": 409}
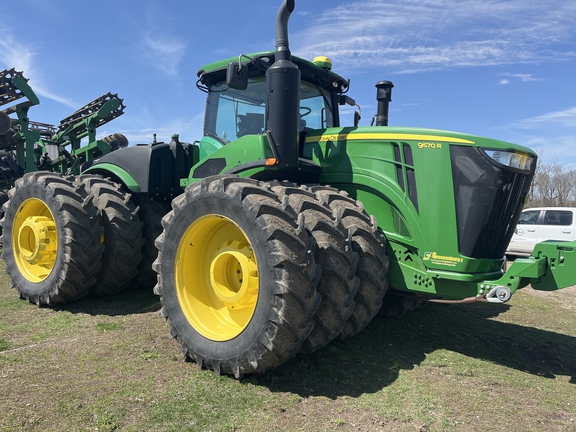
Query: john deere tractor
{"x": 286, "y": 229}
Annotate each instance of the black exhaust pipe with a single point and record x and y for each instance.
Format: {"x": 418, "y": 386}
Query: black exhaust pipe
{"x": 384, "y": 97}
{"x": 283, "y": 94}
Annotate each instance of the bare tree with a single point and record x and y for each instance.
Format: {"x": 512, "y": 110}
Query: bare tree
{"x": 553, "y": 186}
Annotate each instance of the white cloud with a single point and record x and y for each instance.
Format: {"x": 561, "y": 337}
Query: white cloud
{"x": 14, "y": 54}
{"x": 557, "y": 119}
{"x": 521, "y": 77}
{"x": 164, "y": 52}
{"x": 504, "y": 82}
{"x": 18, "y": 55}
{"x": 161, "y": 47}
{"x": 408, "y": 36}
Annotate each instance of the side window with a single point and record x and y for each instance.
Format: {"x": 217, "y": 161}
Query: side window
{"x": 315, "y": 109}
{"x": 529, "y": 217}
{"x": 558, "y": 217}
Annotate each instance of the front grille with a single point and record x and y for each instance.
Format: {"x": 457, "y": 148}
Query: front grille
{"x": 489, "y": 199}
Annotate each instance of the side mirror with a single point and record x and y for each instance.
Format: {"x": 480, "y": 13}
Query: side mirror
{"x": 347, "y": 100}
{"x": 357, "y": 118}
{"x": 236, "y": 76}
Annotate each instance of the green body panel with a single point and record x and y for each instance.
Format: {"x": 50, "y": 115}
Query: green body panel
{"x": 118, "y": 172}
{"x": 208, "y": 145}
{"x": 248, "y": 149}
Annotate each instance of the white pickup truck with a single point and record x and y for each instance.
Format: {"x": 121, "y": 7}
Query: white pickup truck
{"x": 539, "y": 224}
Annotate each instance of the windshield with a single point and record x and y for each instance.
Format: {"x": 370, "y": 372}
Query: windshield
{"x": 232, "y": 113}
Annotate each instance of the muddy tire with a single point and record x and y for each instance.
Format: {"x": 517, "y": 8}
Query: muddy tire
{"x": 369, "y": 243}
{"x": 51, "y": 238}
{"x": 397, "y": 304}
{"x": 236, "y": 276}
{"x": 339, "y": 284}
{"x": 151, "y": 213}
{"x": 122, "y": 234}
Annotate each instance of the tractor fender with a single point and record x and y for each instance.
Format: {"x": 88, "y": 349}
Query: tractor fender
{"x": 150, "y": 168}
{"x": 107, "y": 169}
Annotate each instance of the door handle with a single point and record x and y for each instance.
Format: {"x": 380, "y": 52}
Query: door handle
{"x": 532, "y": 230}
{"x": 566, "y": 232}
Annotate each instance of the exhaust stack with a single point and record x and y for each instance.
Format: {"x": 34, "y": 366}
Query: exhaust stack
{"x": 283, "y": 94}
{"x": 384, "y": 97}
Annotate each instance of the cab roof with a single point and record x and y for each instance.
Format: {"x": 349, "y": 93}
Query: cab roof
{"x": 216, "y": 72}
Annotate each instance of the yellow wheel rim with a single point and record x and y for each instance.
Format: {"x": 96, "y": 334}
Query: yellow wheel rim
{"x": 34, "y": 240}
{"x": 216, "y": 277}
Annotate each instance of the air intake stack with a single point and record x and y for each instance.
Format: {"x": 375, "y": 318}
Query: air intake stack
{"x": 283, "y": 94}
{"x": 384, "y": 97}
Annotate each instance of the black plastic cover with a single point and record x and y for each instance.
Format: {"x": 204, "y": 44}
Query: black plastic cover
{"x": 489, "y": 200}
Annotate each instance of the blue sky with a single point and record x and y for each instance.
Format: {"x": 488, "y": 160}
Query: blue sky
{"x": 502, "y": 69}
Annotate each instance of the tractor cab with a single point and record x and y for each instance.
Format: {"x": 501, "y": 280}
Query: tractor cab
{"x": 236, "y": 107}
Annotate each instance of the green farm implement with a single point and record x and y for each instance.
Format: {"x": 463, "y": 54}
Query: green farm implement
{"x": 286, "y": 229}
{"x": 28, "y": 146}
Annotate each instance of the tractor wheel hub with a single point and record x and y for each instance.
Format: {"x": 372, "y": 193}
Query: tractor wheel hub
{"x": 234, "y": 275}
{"x": 37, "y": 239}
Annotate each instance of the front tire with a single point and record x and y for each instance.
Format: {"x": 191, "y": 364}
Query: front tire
{"x": 236, "y": 276}
{"x": 51, "y": 238}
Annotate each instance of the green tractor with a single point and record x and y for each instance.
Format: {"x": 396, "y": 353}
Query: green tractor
{"x": 271, "y": 246}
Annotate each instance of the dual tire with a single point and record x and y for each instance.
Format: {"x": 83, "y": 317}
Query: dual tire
{"x": 51, "y": 238}
{"x": 70, "y": 237}
{"x": 251, "y": 273}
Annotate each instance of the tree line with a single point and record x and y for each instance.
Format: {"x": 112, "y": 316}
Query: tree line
{"x": 553, "y": 186}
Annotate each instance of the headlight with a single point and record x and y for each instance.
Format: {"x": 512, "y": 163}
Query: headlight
{"x": 521, "y": 161}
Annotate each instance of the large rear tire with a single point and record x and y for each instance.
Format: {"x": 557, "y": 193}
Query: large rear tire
{"x": 151, "y": 213}
{"x": 339, "y": 283}
{"x": 51, "y": 238}
{"x": 369, "y": 243}
{"x": 122, "y": 234}
{"x": 236, "y": 276}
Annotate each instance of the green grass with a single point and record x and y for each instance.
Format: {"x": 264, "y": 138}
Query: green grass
{"x": 108, "y": 364}
{"x": 108, "y": 326}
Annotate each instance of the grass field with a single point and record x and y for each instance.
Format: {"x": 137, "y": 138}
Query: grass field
{"x": 107, "y": 364}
